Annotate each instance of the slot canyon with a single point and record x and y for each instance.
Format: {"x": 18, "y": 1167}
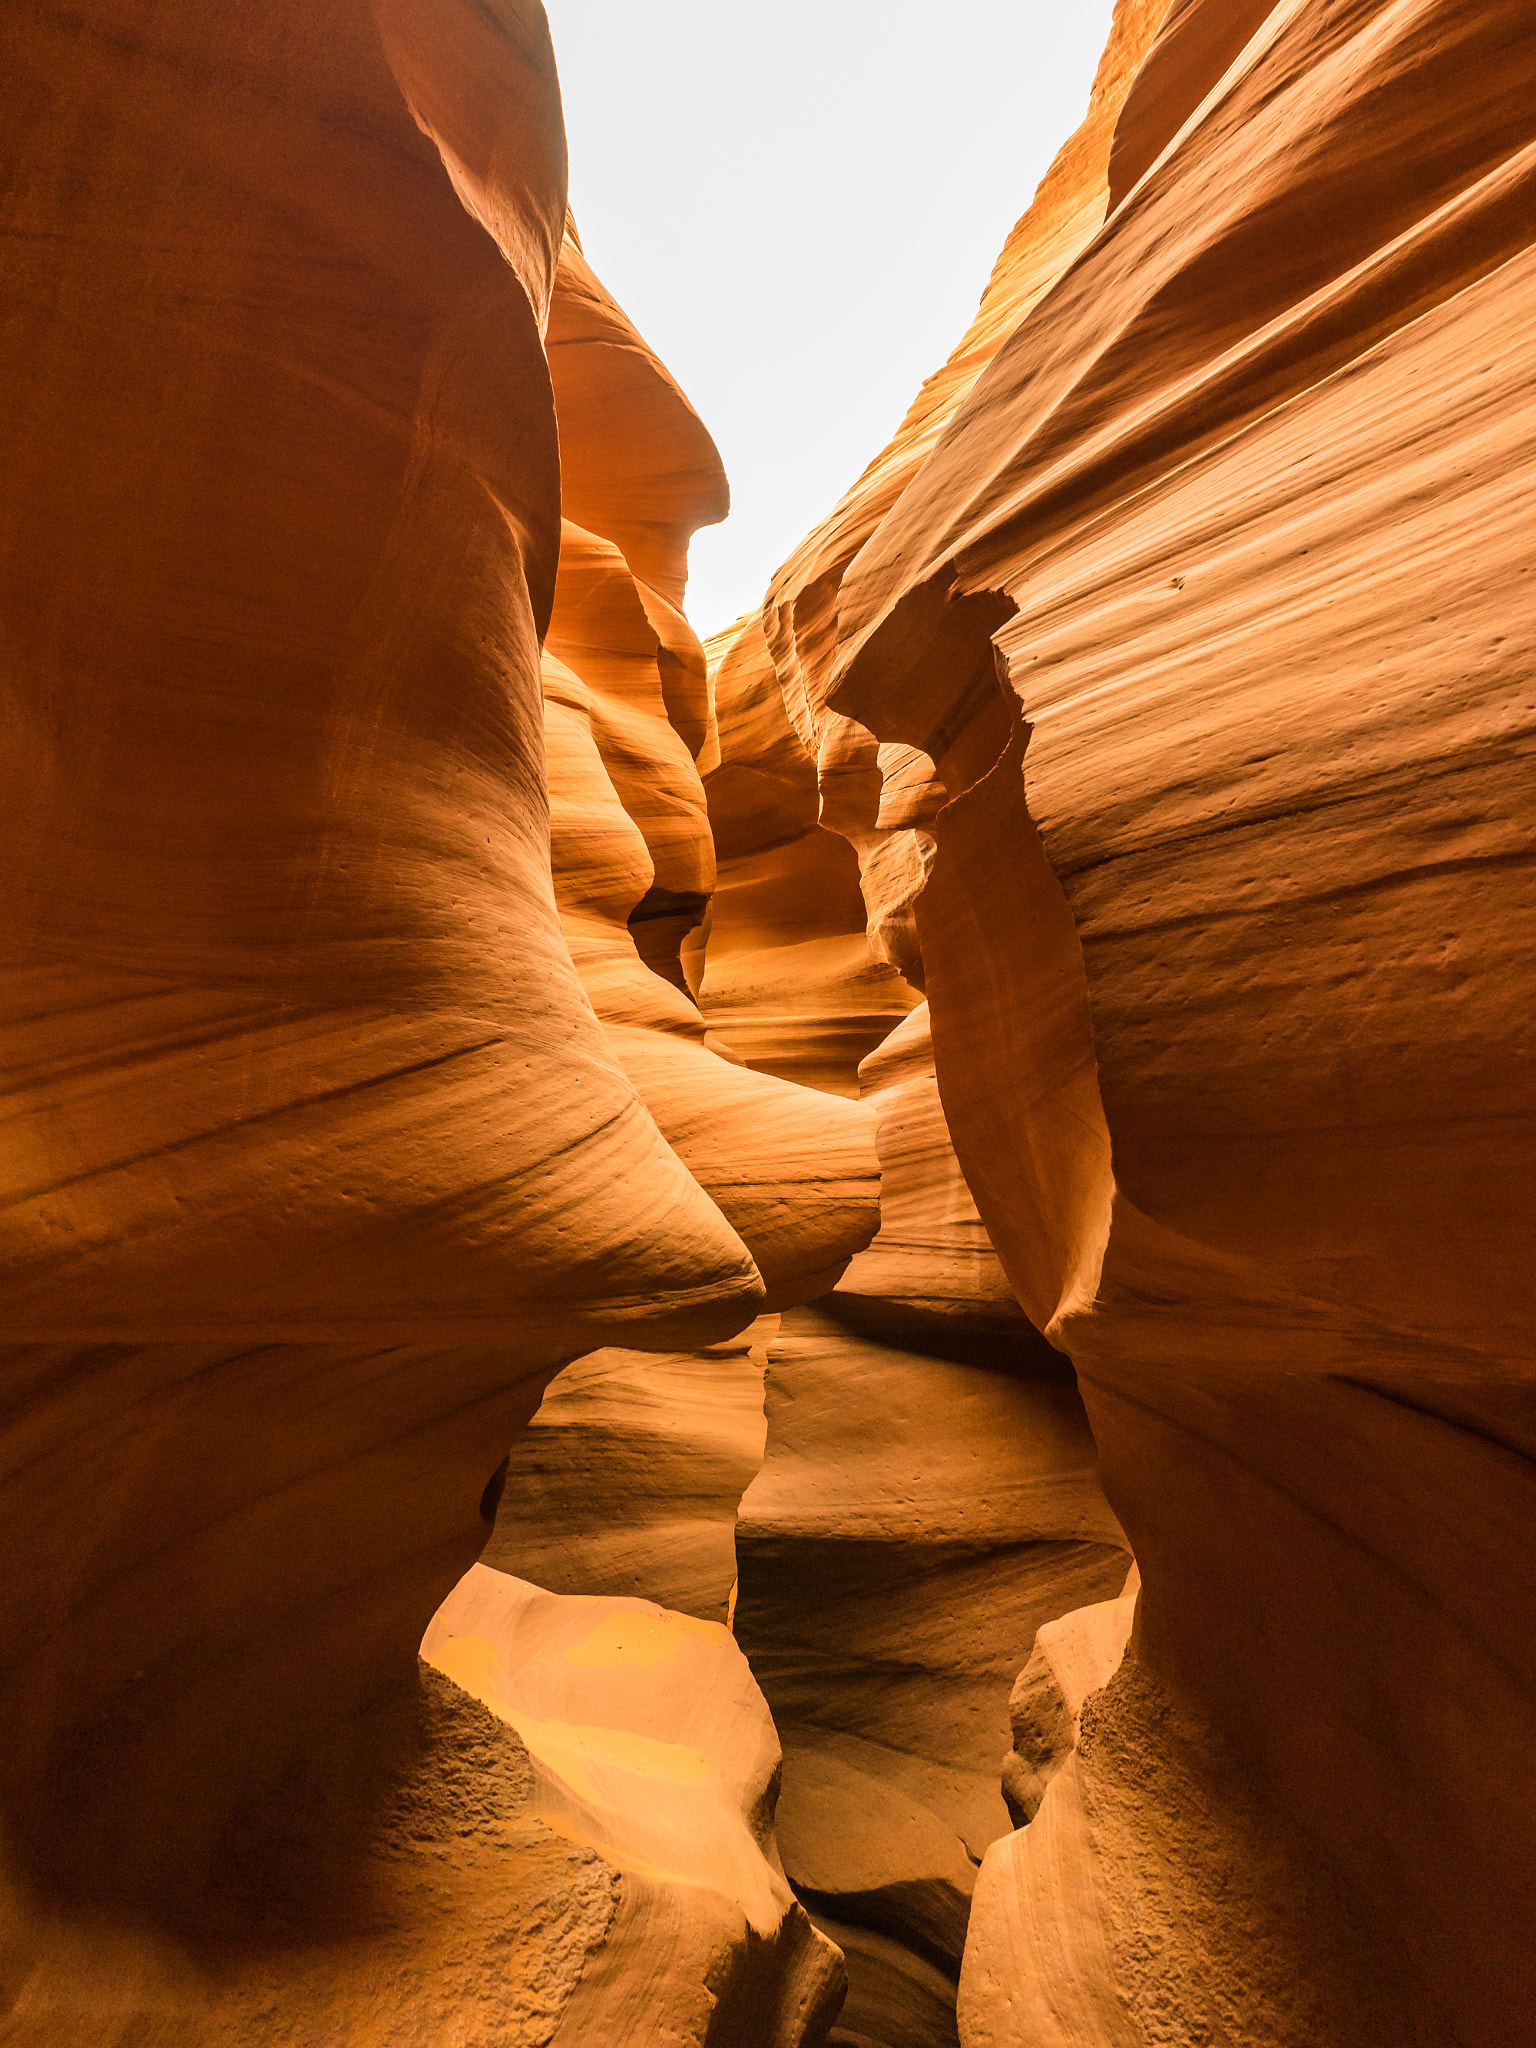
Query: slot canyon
{"x": 824, "y": 1336}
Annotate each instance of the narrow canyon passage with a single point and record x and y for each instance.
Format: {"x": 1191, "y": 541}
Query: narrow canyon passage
{"x": 816, "y": 1337}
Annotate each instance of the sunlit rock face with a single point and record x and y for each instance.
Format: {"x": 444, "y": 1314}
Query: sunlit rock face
{"x": 1182, "y": 680}
{"x": 649, "y": 1743}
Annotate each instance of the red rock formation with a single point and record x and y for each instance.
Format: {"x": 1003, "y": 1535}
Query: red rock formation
{"x": 628, "y": 717}
{"x": 928, "y": 1494}
{"x": 916, "y": 1519}
{"x": 928, "y": 1498}
{"x": 1228, "y": 976}
{"x": 275, "y": 789}
{"x": 320, "y": 1159}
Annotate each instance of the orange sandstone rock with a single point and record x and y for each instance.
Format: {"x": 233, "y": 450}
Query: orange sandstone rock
{"x": 319, "y": 1159}
{"x": 282, "y": 930}
{"x": 915, "y": 1521}
{"x": 650, "y": 1745}
{"x": 745, "y": 1136}
{"x": 628, "y": 717}
{"x": 628, "y": 1479}
{"x": 791, "y": 981}
{"x": 1210, "y": 610}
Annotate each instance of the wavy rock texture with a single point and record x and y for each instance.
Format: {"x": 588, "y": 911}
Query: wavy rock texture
{"x": 790, "y": 980}
{"x": 928, "y": 1498}
{"x": 626, "y": 803}
{"x": 320, "y": 1157}
{"x": 1228, "y": 976}
{"x": 1119, "y": 814}
{"x": 276, "y": 818}
{"x": 628, "y": 716}
{"x": 928, "y": 1495}
{"x": 628, "y": 1479}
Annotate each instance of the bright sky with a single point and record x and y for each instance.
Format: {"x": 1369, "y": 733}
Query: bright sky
{"x": 798, "y": 205}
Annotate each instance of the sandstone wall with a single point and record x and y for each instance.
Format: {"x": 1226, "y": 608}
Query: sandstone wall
{"x": 334, "y": 1125}
{"x": 1194, "y": 654}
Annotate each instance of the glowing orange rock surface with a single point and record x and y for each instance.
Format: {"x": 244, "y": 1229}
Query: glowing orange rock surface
{"x": 319, "y": 1156}
{"x": 1198, "y": 645}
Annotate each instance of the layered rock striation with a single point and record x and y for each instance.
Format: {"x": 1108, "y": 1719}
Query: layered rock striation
{"x": 336, "y": 1121}
{"x": 1193, "y": 654}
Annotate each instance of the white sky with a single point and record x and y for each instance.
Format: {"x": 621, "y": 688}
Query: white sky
{"x": 798, "y": 205}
